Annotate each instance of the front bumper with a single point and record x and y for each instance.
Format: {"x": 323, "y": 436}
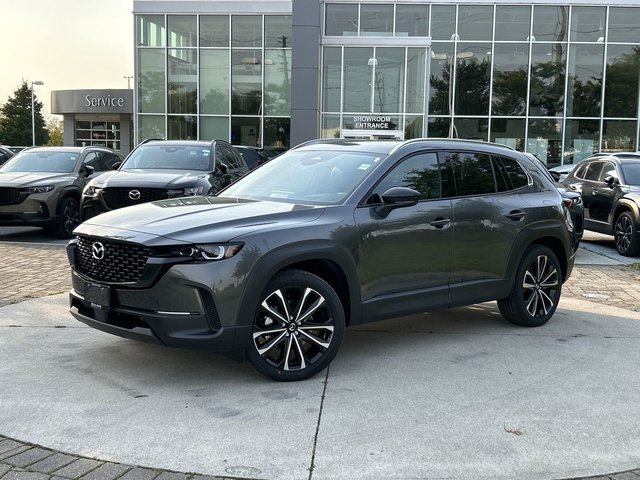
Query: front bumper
{"x": 34, "y": 211}
{"x": 189, "y": 305}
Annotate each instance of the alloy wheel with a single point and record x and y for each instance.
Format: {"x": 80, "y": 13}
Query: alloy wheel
{"x": 71, "y": 217}
{"x": 293, "y": 329}
{"x": 623, "y": 233}
{"x": 540, "y": 285}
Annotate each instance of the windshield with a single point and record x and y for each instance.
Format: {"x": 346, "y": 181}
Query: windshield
{"x": 165, "y": 157}
{"x": 315, "y": 177}
{"x": 42, "y": 161}
{"x": 631, "y": 173}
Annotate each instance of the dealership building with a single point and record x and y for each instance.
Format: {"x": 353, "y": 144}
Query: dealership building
{"x": 558, "y": 79}
{"x": 100, "y": 118}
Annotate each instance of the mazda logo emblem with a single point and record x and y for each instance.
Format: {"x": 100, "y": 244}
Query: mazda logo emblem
{"x": 97, "y": 250}
{"x": 134, "y": 194}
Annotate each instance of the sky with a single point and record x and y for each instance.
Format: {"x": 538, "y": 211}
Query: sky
{"x": 67, "y": 44}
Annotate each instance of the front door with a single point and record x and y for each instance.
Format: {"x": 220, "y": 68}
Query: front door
{"x": 405, "y": 256}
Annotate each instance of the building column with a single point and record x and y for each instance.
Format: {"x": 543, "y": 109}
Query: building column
{"x": 305, "y": 71}
{"x": 69, "y": 130}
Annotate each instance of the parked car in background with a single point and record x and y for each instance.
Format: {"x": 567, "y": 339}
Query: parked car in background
{"x": 16, "y": 149}
{"x": 161, "y": 169}
{"x": 252, "y": 156}
{"x": 273, "y": 152}
{"x": 610, "y": 189}
{"x": 42, "y": 186}
{"x": 560, "y": 172}
{"x": 5, "y": 154}
{"x": 331, "y": 233}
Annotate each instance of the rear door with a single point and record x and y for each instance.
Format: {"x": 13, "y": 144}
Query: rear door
{"x": 488, "y": 215}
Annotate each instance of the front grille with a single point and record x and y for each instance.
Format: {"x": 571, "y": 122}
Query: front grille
{"x": 119, "y": 197}
{"x": 9, "y": 196}
{"x": 122, "y": 262}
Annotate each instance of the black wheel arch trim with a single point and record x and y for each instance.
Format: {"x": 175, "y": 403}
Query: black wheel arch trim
{"x": 288, "y": 256}
{"x": 624, "y": 205}
{"x": 544, "y": 233}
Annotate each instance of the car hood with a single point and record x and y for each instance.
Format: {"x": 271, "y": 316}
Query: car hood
{"x": 196, "y": 219}
{"x": 148, "y": 179}
{"x": 25, "y": 179}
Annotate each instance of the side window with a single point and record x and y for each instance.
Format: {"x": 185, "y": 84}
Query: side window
{"x": 509, "y": 174}
{"x": 233, "y": 161}
{"x": 91, "y": 159}
{"x": 580, "y": 171}
{"x": 472, "y": 173}
{"x": 220, "y": 156}
{"x": 3, "y": 156}
{"x": 609, "y": 170}
{"x": 419, "y": 172}
{"x": 104, "y": 162}
{"x": 593, "y": 171}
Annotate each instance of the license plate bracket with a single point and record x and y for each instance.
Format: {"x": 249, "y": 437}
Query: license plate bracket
{"x": 98, "y": 295}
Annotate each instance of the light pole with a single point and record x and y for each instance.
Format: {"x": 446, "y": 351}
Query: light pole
{"x": 128, "y": 77}
{"x": 33, "y": 114}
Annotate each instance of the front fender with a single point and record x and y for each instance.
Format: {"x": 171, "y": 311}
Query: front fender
{"x": 281, "y": 258}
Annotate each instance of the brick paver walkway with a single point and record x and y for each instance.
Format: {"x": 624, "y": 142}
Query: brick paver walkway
{"x": 30, "y": 271}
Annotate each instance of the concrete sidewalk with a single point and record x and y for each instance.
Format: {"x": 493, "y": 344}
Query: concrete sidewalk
{"x": 458, "y": 394}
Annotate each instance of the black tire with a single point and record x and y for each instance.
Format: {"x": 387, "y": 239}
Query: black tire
{"x": 536, "y": 293}
{"x": 298, "y": 327}
{"x": 68, "y": 218}
{"x": 625, "y": 232}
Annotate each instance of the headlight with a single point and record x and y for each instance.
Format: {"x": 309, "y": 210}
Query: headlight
{"x": 38, "y": 189}
{"x": 91, "y": 191}
{"x": 186, "y": 192}
{"x": 209, "y": 252}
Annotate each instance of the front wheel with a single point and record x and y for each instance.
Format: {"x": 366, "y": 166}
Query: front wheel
{"x": 625, "y": 233}
{"x": 68, "y": 219}
{"x": 297, "y": 328}
{"x": 536, "y": 293}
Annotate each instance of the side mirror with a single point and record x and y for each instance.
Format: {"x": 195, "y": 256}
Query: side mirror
{"x": 116, "y": 165}
{"x": 88, "y": 170}
{"x": 222, "y": 168}
{"x": 397, "y": 197}
{"x": 610, "y": 181}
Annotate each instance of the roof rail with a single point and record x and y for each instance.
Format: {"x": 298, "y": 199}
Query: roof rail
{"x": 147, "y": 140}
{"x": 321, "y": 141}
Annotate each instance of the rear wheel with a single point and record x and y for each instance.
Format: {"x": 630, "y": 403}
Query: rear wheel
{"x": 68, "y": 218}
{"x": 625, "y": 232}
{"x": 297, "y": 328}
{"x": 537, "y": 290}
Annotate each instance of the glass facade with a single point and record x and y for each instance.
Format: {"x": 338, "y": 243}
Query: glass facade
{"x": 214, "y": 76}
{"x": 97, "y": 134}
{"x": 559, "y": 81}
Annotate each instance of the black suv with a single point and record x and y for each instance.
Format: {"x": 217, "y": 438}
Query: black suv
{"x": 610, "y": 188}
{"x": 160, "y": 169}
{"x": 42, "y": 186}
{"x": 327, "y": 235}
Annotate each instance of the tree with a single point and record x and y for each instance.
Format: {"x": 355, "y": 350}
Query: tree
{"x": 55, "y": 128}
{"x": 15, "y": 119}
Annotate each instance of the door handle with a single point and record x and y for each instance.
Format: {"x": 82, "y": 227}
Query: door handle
{"x": 594, "y": 191}
{"x": 440, "y": 222}
{"x": 516, "y": 215}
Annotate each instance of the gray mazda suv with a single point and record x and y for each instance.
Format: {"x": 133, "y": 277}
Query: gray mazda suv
{"x": 328, "y": 235}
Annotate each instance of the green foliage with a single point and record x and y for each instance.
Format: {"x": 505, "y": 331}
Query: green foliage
{"x": 15, "y": 119}
{"x": 55, "y": 127}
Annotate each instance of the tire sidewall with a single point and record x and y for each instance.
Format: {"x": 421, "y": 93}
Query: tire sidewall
{"x": 298, "y": 278}
{"x": 61, "y": 231}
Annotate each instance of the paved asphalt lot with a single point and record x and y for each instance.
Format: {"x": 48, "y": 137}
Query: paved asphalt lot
{"x": 459, "y": 394}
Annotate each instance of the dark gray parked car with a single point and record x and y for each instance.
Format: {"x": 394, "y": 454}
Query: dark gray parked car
{"x": 610, "y": 189}
{"x": 160, "y": 169}
{"x": 327, "y": 235}
{"x": 41, "y": 186}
